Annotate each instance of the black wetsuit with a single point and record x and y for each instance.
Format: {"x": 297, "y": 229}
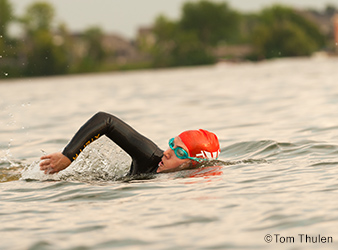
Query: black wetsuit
{"x": 144, "y": 153}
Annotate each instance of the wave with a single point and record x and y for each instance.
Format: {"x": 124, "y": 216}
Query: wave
{"x": 10, "y": 170}
{"x": 272, "y": 150}
{"x": 104, "y": 161}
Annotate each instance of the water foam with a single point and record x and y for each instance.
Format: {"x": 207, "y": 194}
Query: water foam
{"x": 101, "y": 160}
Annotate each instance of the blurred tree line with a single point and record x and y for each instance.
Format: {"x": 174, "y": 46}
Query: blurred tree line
{"x": 276, "y": 31}
{"x": 43, "y": 49}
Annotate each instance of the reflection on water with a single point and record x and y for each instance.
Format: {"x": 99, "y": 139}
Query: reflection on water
{"x": 277, "y": 173}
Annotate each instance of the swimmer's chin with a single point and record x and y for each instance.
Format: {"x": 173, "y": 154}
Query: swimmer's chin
{"x": 184, "y": 166}
{"x": 160, "y": 167}
{"x": 163, "y": 169}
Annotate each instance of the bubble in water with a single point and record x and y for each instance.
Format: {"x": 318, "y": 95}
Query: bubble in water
{"x": 25, "y": 104}
{"x": 6, "y": 74}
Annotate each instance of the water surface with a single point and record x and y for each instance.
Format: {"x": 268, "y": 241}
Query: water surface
{"x": 278, "y": 127}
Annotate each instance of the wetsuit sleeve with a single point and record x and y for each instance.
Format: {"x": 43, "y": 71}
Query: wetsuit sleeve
{"x": 144, "y": 153}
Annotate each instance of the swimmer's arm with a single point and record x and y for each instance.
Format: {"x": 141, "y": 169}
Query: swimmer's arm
{"x": 136, "y": 145}
{"x": 133, "y": 143}
{"x": 89, "y": 132}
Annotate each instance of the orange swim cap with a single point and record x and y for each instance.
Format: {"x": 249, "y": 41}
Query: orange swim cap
{"x": 201, "y": 143}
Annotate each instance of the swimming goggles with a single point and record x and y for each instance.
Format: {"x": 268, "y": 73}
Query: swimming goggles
{"x": 181, "y": 153}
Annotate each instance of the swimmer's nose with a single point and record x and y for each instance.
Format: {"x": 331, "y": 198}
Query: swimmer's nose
{"x": 167, "y": 153}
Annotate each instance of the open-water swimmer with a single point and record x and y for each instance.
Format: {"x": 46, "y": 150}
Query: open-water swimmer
{"x": 185, "y": 150}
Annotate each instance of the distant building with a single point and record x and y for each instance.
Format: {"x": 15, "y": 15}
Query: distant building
{"x": 322, "y": 19}
{"x": 335, "y": 22}
{"x": 327, "y": 23}
{"x": 121, "y": 50}
{"x": 117, "y": 49}
{"x": 146, "y": 36}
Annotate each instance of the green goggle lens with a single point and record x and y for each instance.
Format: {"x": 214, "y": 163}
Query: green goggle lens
{"x": 181, "y": 153}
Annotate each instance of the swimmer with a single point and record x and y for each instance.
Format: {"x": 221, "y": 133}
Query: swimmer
{"x": 184, "y": 152}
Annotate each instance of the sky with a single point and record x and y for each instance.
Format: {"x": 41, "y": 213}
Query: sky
{"x": 124, "y": 17}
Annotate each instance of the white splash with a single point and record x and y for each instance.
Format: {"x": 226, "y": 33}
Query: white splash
{"x": 101, "y": 160}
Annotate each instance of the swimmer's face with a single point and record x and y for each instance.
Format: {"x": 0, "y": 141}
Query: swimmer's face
{"x": 170, "y": 162}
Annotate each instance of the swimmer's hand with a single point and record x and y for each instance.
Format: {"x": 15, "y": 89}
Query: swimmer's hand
{"x": 54, "y": 163}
